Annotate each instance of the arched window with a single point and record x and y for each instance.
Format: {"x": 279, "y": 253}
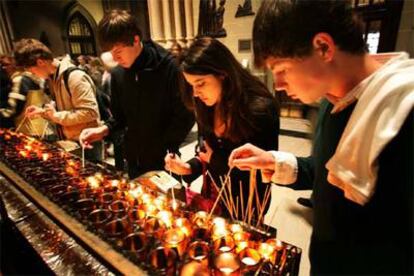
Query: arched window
{"x": 80, "y": 37}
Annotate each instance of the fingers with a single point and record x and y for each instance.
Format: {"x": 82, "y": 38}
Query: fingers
{"x": 33, "y": 110}
{"x": 240, "y": 152}
{"x": 203, "y": 156}
{"x": 246, "y": 163}
{"x": 172, "y": 163}
{"x": 167, "y": 161}
{"x": 87, "y": 145}
{"x": 84, "y": 138}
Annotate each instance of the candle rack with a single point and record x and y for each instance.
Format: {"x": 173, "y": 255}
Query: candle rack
{"x": 142, "y": 226}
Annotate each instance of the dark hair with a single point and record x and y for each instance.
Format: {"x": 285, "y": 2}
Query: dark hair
{"x": 28, "y": 50}
{"x": 285, "y": 29}
{"x": 243, "y": 95}
{"x": 117, "y": 26}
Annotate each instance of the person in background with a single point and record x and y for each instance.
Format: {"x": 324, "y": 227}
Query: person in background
{"x": 176, "y": 51}
{"x": 75, "y": 105}
{"x": 83, "y": 63}
{"x": 145, "y": 99}
{"x": 232, "y": 108}
{"x": 27, "y": 89}
{"x": 361, "y": 168}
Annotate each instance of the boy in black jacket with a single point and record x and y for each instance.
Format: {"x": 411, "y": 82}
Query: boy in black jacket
{"x": 361, "y": 167}
{"x": 145, "y": 96}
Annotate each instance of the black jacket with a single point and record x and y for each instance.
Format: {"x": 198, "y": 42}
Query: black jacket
{"x": 265, "y": 137}
{"x": 146, "y": 102}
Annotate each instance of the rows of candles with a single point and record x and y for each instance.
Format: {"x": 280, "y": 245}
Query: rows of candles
{"x": 156, "y": 232}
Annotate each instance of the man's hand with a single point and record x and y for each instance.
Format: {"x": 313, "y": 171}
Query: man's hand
{"x": 34, "y": 111}
{"x": 90, "y": 135}
{"x": 49, "y": 111}
{"x": 174, "y": 164}
{"x": 249, "y": 157}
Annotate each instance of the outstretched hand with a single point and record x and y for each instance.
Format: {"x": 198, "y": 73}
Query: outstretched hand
{"x": 249, "y": 157}
{"x": 90, "y": 135}
{"x": 33, "y": 111}
{"x": 174, "y": 164}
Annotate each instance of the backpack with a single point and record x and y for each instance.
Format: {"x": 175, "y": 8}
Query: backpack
{"x": 102, "y": 99}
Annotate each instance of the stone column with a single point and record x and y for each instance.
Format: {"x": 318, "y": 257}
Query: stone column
{"x": 166, "y": 16}
{"x": 155, "y": 18}
{"x": 177, "y": 23}
{"x": 6, "y": 32}
{"x": 189, "y": 25}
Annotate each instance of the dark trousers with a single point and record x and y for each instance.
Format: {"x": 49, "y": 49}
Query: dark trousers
{"x": 94, "y": 154}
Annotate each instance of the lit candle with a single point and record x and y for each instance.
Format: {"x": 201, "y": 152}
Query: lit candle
{"x": 165, "y": 217}
{"x": 219, "y": 222}
{"x": 174, "y": 238}
{"x": 93, "y": 182}
{"x": 226, "y": 264}
{"x": 45, "y": 156}
{"x": 199, "y": 251}
{"x": 184, "y": 225}
{"x": 24, "y": 153}
{"x": 235, "y": 228}
{"x": 250, "y": 259}
{"x": 160, "y": 202}
{"x": 242, "y": 240}
{"x": 267, "y": 251}
{"x": 219, "y": 231}
{"x": 200, "y": 219}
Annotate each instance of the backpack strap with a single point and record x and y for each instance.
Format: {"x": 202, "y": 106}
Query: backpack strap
{"x": 66, "y": 78}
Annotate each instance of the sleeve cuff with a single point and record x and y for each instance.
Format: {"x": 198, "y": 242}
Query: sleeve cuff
{"x": 286, "y": 168}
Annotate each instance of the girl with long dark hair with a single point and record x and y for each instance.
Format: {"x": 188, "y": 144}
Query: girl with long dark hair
{"x": 232, "y": 108}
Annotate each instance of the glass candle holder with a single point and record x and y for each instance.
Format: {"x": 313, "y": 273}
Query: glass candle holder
{"x": 137, "y": 217}
{"x": 236, "y": 228}
{"x": 242, "y": 240}
{"x": 58, "y": 190}
{"x": 250, "y": 260}
{"x": 160, "y": 202}
{"x": 163, "y": 261}
{"x": 194, "y": 268}
{"x": 267, "y": 251}
{"x": 154, "y": 228}
{"x": 150, "y": 209}
{"x": 85, "y": 206}
{"x": 201, "y": 219}
{"x": 223, "y": 244}
{"x": 105, "y": 199}
{"x": 99, "y": 217}
{"x": 69, "y": 197}
{"x": 175, "y": 239}
{"x": 166, "y": 218}
{"x": 119, "y": 208}
{"x": 218, "y": 231}
{"x": 184, "y": 225}
{"x": 227, "y": 264}
{"x": 279, "y": 248}
{"x": 199, "y": 251}
{"x": 136, "y": 244}
{"x": 117, "y": 228}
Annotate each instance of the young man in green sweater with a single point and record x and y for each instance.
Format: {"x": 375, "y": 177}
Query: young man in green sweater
{"x": 361, "y": 166}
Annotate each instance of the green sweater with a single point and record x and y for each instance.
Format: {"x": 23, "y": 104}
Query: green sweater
{"x": 349, "y": 238}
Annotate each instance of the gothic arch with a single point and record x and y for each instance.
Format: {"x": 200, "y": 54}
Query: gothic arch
{"x": 75, "y": 9}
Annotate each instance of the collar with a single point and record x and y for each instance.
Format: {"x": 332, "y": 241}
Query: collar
{"x": 355, "y": 93}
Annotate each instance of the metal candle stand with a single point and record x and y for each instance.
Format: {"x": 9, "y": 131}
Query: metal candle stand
{"x": 142, "y": 227}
